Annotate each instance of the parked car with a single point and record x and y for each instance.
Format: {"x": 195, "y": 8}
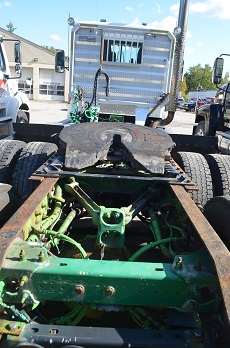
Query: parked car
{"x": 180, "y": 103}
{"x": 190, "y": 105}
{"x": 208, "y": 100}
{"x": 202, "y": 120}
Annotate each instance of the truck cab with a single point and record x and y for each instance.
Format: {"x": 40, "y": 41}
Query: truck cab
{"x": 214, "y": 119}
{"x": 118, "y": 71}
{"x": 14, "y": 105}
{"x": 223, "y": 97}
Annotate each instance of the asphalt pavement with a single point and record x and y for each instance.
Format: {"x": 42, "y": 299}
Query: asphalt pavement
{"x": 182, "y": 123}
{"x": 50, "y": 112}
{"x": 47, "y": 112}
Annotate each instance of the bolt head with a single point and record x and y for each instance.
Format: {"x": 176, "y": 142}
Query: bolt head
{"x": 79, "y": 289}
{"x": 12, "y": 326}
{"x": 197, "y": 333}
{"x": 110, "y": 290}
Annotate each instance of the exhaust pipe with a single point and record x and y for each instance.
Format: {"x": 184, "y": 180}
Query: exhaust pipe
{"x": 178, "y": 61}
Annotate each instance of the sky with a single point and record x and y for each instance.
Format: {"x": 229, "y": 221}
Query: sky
{"x": 44, "y": 22}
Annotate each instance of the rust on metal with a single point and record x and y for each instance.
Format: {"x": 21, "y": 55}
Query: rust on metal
{"x": 11, "y": 327}
{"x": 218, "y": 251}
{"x": 85, "y": 144}
{"x": 13, "y": 227}
{"x": 38, "y": 178}
{"x": 80, "y": 289}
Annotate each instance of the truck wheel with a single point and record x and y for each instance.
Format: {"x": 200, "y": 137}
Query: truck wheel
{"x": 196, "y": 167}
{"x": 31, "y": 158}
{"x": 217, "y": 212}
{"x": 200, "y": 129}
{"x": 9, "y": 202}
{"x": 220, "y": 171}
{"x": 22, "y": 117}
{"x": 9, "y": 153}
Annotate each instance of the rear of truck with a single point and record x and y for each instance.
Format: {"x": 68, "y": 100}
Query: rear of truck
{"x": 123, "y": 71}
{"x": 111, "y": 246}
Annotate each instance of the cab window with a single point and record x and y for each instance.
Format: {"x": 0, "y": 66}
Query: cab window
{"x": 123, "y": 48}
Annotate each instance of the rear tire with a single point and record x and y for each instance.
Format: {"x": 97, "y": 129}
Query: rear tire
{"x": 31, "y": 158}
{"x": 200, "y": 129}
{"x": 22, "y": 117}
{"x": 9, "y": 153}
{"x": 196, "y": 167}
{"x": 220, "y": 171}
{"x": 9, "y": 202}
{"x": 217, "y": 212}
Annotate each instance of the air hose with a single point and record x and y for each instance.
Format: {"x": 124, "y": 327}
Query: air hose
{"x": 95, "y": 87}
{"x": 88, "y": 113}
{"x": 65, "y": 238}
{"x": 73, "y": 317}
{"x": 152, "y": 245}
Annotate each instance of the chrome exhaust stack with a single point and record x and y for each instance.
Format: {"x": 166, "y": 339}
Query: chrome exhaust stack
{"x": 178, "y": 62}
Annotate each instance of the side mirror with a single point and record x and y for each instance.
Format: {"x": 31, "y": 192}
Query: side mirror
{"x": 217, "y": 70}
{"x": 18, "y": 52}
{"x": 29, "y": 81}
{"x": 18, "y": 69}
{"x": 60, "y": 61}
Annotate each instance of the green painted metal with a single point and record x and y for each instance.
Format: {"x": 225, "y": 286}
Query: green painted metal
{"x": 110, "y": 221}
{"x": 111, "y": 227}
{"x": 50, "y": 220}
{"x": 84, "y": 251}
{"x": 133, "y": 283}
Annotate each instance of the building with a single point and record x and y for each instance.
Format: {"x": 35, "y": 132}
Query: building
{"x": 38, "y": 67}
{"x": 202, "y": 94}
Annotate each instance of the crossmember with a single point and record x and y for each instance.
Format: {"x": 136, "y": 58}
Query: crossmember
{"x": 44, "y": 277}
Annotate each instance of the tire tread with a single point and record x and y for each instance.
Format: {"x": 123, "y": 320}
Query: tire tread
{"x": 9, "y": 153}
{"x": 220, "y": 171}
{"x": 32, "y": 157}
{"x": 196, "y": 167}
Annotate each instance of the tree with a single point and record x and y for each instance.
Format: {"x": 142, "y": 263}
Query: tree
{"x": 10, "y": 27}
{"x": 51, "y": 48}
{"x": 183, "y": 88}
{"x": 199, "y": 76}
{"x": 226, "y": 78}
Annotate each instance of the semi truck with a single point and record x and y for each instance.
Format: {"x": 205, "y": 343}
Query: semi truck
{"x": 121, "y": 72}
{"x": 14, "y": 105}
{"x": 214, "y": 119}
{"x": 112, "y": 234}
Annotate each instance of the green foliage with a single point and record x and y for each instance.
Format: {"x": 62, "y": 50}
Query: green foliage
{"x": 51, "y": 48}
{"x": 199, "y": 76}
{"x": 226, "y": 78}
{"x": 10, "y": 27}
{"x": 183, "y": 88}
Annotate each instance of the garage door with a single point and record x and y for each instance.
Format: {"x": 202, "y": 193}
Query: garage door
{"x": 27, "y": 74}
{"x": 51, "y": 85}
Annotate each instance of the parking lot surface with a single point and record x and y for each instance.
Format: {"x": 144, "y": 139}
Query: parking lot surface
{"x": 49, "y": 112}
